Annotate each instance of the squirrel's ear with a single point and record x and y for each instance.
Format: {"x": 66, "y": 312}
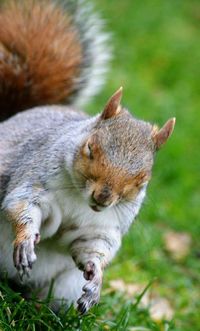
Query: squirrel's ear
{"x": 112, "y": 107}
{"x": 161, "y": 136}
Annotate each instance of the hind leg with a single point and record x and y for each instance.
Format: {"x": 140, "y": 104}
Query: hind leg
{"x": 67, "y": 288}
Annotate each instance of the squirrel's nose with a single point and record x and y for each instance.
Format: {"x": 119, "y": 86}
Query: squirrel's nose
{"x": 101, "y": 199}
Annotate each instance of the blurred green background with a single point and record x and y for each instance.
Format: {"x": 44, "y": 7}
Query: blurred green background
{"x": 157, "y": 61}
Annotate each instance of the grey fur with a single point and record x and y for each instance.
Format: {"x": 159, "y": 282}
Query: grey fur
{"x": 135, "y": 153}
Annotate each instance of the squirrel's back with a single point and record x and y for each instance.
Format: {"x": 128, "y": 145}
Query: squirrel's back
{"x": 51, "y": 52}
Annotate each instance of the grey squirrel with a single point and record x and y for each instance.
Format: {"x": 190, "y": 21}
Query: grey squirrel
{"x": 70, "y": 184}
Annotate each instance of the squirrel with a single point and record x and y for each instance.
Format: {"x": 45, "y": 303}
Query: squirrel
{"x": 70, "y": 184}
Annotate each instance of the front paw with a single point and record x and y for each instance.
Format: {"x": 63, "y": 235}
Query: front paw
{"x": 24, "y": 255}
{"x": 92, "y": 289}
{"x": 90, "y": 297}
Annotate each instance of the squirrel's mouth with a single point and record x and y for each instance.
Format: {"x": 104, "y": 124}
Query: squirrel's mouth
{"x": 97, "y": 208}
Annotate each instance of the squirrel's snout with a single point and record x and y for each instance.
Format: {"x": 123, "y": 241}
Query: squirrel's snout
{"x": 101, "y": 199}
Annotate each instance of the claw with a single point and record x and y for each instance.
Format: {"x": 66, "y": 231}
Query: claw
{"x": 24, "y": 256}
{"x": 82, "y": 308}
{"x": 21, "y": 274}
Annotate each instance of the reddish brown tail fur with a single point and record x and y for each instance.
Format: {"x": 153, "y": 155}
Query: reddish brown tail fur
{"x": 40, "y": 55}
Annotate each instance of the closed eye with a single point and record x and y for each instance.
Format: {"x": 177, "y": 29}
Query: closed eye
{"x": 94, "y": 178}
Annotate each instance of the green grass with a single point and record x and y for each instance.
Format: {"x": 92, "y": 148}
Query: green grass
{"x": 157, "y": 60}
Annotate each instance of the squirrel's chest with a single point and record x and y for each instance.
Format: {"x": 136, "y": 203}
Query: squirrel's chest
{"x": 69, "y": 217}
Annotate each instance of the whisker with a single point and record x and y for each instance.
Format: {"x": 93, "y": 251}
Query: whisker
{"x": 117, "y": 211}
{"x": 120, "y": 210}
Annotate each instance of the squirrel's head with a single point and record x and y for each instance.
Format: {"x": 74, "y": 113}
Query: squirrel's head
{"x": 114, "y": 163}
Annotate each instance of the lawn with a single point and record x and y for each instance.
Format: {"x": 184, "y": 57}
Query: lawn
{"x": 157, "y": 61}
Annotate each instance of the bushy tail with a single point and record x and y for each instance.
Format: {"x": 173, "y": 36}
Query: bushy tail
{"x": 51, "y": 52}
